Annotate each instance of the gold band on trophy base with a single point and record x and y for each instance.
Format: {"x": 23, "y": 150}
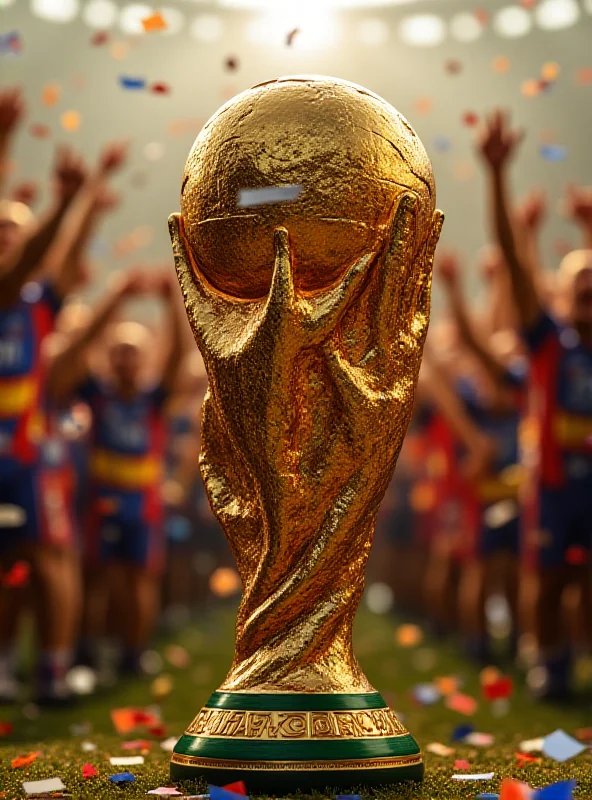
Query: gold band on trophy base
{"x": 311, "y": 317}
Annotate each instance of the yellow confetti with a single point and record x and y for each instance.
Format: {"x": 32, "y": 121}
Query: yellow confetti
{"x": 51, "y": 94}
{"x": 500, "y": 64}
{"x": 161, "y": 687}
{"x": 155, "y": 22}
{"x": 530, "y": 88}
{"x": 70, "y": 121}
{"x": 550, "y": 71}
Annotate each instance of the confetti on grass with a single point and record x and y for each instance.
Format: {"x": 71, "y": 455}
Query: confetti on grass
{"x": 474, "y": 776}
{"x": 24, "y": 761}
{"x": 122, "y": 777}
{"x": 42, "y": 787}
{"x": 561, "y": 747}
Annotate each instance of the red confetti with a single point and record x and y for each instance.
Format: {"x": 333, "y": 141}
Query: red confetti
{"x": 470, "y": 119}
{"x": 528, "y": 3}
{"x": 291, "y": 36}
{"x": 160, "y": 88}
{"x": 501, "y": 688}
{"x": 39, "y": 131}
{"x": 238, "y": 787}
{"x": 462, "y": 703}
{"x": 88, "y": 771}
{"x": 6, "y": 728}
{"x": 525, "y": 758}
{"x": 461, "y": 763}
{"x": 576, "y": 556}
{"x": 17, "y": 575}
{"x": 481, "y": 16}
{"x": 157, "y": 730}
{"x": 101, "y": 37}
{"x": 453, "y": 67}
{"x": 584, "y": 75}
{"x": 24, "y": 761}
{"x": 584, "y": 734}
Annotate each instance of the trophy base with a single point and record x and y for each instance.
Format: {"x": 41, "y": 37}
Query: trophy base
{"x": 283, "y": 743}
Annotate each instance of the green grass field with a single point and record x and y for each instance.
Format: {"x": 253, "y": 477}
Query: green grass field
{"x": 392, "y": 670}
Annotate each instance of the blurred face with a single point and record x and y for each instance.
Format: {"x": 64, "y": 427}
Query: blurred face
{"x": 125, "y": 361}
{"x": 10, "y": 234}
{"x": 581, "y": 298}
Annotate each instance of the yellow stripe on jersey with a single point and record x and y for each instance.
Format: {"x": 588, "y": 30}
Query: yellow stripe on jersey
{"x": 504, "y": 486}
{"x": 573, "y": 430}
{"x": 17, "y": 395}
{"x": 125, "y": 471}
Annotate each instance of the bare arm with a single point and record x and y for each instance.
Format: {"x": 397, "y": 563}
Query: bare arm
{"x": 447, "y": 268}
{"x": 68, "y": 368}
{"x": 175, "y": 325}
{"x": 11, "y": 112}
{"x": 69, "y": 175}
{"x": 578, "y": 205}
{"x": 497, "y": 144}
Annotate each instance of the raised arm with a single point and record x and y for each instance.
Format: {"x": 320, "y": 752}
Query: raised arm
{"x": 11, "y": 112}
{"x": 64, "y": 258}
{"x": 69, "y": 175}
{"x": 497, "y": 144}
{"x": 175, "y": 325}
{"x": 68, "y": 368}
{"x": 448, "y": 269}
{"x": 578, "y": 206}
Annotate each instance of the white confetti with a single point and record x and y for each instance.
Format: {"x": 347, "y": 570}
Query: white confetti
{"x": 126, "y": 761}
{"x": 41, "y": 787}
{"x": 477, "y": 776}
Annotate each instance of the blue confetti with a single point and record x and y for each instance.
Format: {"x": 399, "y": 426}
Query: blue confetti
{"x": 442, "y": 144}
{"x": 218, "y": 793}
{"x": 10, "y": 43}
{"x": 487, "y": 796}
{"x": 561, "y": 747}
{"x": 131, "y": 83}
{"x": 349, "y": 797}
{"x": 461, "y": 732}
{"x": 553, "y": 152}
{"x": 426, "y": 694}
{"x": 122, "y": 777}
{"x": 563, "y": 790}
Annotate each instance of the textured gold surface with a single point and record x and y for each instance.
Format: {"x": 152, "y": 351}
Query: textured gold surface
{"x": 213, "y": 722}
{"x": 309, "y": 395}
{"x": 298, "y": 766}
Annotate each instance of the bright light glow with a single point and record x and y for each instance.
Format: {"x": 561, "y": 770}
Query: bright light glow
{"x": 316, "y": 29}
{"x": 553, "y": 15}
{"x": 100, "y": 14}
{"x": 512, "y": 21}
{"x": 174, "y": 19}
{"x": 588, "y": 6}
{"x": 6, "y": 3}
{"x": 130, "y": 18}
{"x": 207, "y": 28}
{"x": 422, "y": 30}
{"x": 55, "y": 10}
{"x": 465, "y": 27}
{"x": 373, "y": 32}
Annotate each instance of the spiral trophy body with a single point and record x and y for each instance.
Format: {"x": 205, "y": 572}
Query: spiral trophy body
{"x": 310, "y": 315}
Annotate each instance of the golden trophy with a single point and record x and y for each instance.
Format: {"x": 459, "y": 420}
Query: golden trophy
{"x": 311, "y": 317}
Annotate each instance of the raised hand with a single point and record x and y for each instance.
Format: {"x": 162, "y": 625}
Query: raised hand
{"x": 12, "y": 110}
{"x": 497, "y": 142}
{"x": 447, "y": 268}
{"x": 113, "y": 157}
{"x": 69, "y": 173}
{"x": 531, "y": 213}
{"x": 106, "y": 200}
{"x": 578, "y": 204}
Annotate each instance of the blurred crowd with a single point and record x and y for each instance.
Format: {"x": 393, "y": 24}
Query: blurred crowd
{"x": 104, "y": 524}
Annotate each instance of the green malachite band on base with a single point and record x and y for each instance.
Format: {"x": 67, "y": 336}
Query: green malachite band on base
{"x": 295, "y": 702}
{"x": 287, "y": 765}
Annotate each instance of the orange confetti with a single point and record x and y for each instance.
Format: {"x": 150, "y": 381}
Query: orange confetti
{"x": 119, "y": 50}
{"x": 39, "y": 131}
{"x": 500, "y": 64}
{"x": 481, "y": 16}
{"x": 422, "y": 497}
{"x": 584, "y": 76}
{"x": 408, "y": 635}
{"x": 530, "y": 88}
{"x": 446, "y": 684}
{"x": 51, "y": 94}
{"x": 550, "y": 71}
{"x": 24, "y": 761}
{"x": 70, "y": 121}
{"x": 470, "y": 119}
{"x": 423, "y": 105}
{"x": 489, "y": 675}
{"x": 155, "y": 22}
{"x": 462, "y": 703}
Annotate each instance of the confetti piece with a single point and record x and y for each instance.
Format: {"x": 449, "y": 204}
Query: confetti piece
{"x": 218, "y": 793}
{"x": 476, "y": 776}
{"x": 576, "y": 556}
{"x": 99, "y": 38}
{"x": 238, "y": 787}
{"x": 137, "y": 744}
{"x": 460, "y": 733}
{"x": 24, "y": 761}
{"x": 51, "y": 94}
{"x": 426, "y": 694}
{"x": 461, "y": 703}
{"x": 39, "y": 131}
{"x": 561, "y": 747}
{"x": 522, "y": 759}
{"x": 88, "y": 747}
{"x": 584, "y": 734}
{"x": 550, "y": 71}
{"x": 169, "y": 744}
{"x": 532, "y": 745}
{"x": 423, "y": 105}
{"x": 446, "y": 684}
{"x": 452, "y": 66}
{"x": 500, "y": 64}
{"x": 127, "y": 82}
{"x": 477, "y": 739}
{"x": 562, "y": 790}
{"x": 530, "y": 88}
{"x": 461, "y": 763}
{"x": 231, "y": 63}
{"x": 119, "y": 50}
{"x": 11, "y": 43}
{"x": 442, "y": 144}
{"x": 70, "y": 121}
{"x": 502, "y": 687}
{"x": 291, "y": 35}
{"x": 481, "y": 16}
{"x": 408, "y": 635}
{"x": 249, "y": 198}
{"x": 584, "y": 76}
{"x": 553, "y": 152}
{"x": 512, "y": 789}
{"x": 17, "y": 575}
{"x": 348, "y": 797}
{"x": 439, "y": 749}
{"x": 155, "y": 22}
{"x": 6, "y": 728}
{"x": 177, "y": 656}
{"x": 125, "y": 719}
{"x": 41, "y": 787}
{"x": 470, "y": 119}
{"x": 88, "y": 771}
{"x": 122, "y": 777}
{"x": 160, "y": 88}
{"x": 153, "y": 151}
{"x": 165, "y": 791}
{"x": 487, "y": 796}
{"x": 161, "y": 687}
{"x": 126, "y": 761}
